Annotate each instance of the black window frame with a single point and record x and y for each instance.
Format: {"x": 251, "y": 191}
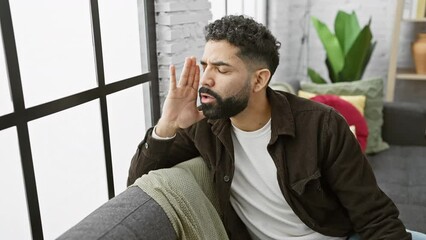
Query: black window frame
{"x": 21, "y": 115}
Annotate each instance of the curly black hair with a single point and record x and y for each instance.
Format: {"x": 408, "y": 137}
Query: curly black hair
{"x": 256, "y": 43}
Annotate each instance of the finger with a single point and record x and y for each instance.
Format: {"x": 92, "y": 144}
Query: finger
{"x": 196, "y": 77}
{"x": 191, "y": 74}
{"x": 172, "y": 71}
{"x": 185, "y": 71}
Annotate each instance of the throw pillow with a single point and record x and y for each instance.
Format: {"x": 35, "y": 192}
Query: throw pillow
{"x": 350, "y": 113}
{"x": 358, "y": 101}
{"x": 282, "y": 86}
{"x": 373, "y": 90}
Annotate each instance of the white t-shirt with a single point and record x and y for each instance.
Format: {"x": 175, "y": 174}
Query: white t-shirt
{"x": 256, "y": 195}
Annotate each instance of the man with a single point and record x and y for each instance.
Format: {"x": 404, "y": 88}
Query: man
{"x": 284, "y": 167}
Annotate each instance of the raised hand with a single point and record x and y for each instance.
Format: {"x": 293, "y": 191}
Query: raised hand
{"x": 180, "y": 109}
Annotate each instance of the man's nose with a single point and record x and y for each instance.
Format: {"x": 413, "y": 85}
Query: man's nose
{"x": 207, "y": 78}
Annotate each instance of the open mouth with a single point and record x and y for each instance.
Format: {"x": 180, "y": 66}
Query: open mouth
{"x": 206, "y": 98}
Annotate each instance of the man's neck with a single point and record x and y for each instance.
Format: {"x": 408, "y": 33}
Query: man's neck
{"x": 256, "y": 114}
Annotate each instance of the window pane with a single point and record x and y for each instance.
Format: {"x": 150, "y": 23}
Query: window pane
{"x": 54, "y": 44}
{"x": 260, "y": 14}
{"x": 69, "y": 166}
{"x": 127, "y": 128}
{"x": 121, "y": 39}
{"x": 235, "y": 7}
{"x": 250, "y": 8}
{"x": 6, "y": 105}
{"x": 255, "y": 9}
{"x": 218, "y": 8}
{"x": 143, "y": 38}
{"x": 14, "y": 221}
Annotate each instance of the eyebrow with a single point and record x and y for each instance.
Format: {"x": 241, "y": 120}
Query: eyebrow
{"x": 217, "y": 63}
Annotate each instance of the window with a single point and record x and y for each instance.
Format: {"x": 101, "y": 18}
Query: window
{"x": 6, "y": 105}
{"x": 78, "y": 89}
{"x": 252, "y": 8}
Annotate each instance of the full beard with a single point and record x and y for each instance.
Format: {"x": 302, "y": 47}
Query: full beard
{"x": 225, "y": 107}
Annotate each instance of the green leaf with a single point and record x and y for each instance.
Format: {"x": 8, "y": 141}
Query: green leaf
{"x": 367, "y": 59}
{"x": 331, "y": 46}
{"x": 348, "y": 51}
{"x": 357, "y": 56}
{"x": 315, "y": 77}
{"x": 346, "y": 28}
{"x": 333, "y": 78}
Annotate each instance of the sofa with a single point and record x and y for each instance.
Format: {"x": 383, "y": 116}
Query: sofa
{"x": 401, "y": 169}
{"x": 400, "y": 172}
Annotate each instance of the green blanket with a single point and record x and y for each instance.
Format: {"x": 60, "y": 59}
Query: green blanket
{"x": 186, "y": 194}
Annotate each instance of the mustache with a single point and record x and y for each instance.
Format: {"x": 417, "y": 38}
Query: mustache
{"x": 210, "y": 92}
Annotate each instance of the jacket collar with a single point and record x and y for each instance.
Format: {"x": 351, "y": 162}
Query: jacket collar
{"x": 282, "y": 122}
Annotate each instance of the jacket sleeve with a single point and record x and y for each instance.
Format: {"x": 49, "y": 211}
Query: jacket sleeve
{"x": 152, "y": 154}
{"x": 348, "y": 172}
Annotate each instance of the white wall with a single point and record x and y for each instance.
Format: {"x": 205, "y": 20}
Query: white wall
{"x": 290, "y": 21}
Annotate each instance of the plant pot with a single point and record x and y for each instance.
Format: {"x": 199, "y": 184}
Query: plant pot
{"x": 419, "y": 53}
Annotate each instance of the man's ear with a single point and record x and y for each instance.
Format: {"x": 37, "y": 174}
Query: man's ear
{"x": 262, "y": 79}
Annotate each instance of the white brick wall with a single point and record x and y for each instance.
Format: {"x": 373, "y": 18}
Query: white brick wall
{"x": 180, "y": 25}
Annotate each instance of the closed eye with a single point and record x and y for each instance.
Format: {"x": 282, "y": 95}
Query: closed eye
{"x": 221, "y": 66}
{"x": 221, "y": 71}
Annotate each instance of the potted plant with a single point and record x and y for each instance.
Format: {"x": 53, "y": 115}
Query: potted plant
{"x": 348, "y": 50}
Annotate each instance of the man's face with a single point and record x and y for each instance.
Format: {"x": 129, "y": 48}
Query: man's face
{"x": 226, "y": 81}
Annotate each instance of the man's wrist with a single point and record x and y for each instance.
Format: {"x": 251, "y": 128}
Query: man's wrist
{"x": 164, "y": 131}
{"x": 156, "y": 136}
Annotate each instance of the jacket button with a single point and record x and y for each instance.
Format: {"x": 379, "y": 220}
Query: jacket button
{"x": 226, "y": 178}
{"x": 146, "y": 145}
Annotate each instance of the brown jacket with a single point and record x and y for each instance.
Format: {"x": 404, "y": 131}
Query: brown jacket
{"x": 321, "y": 171}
